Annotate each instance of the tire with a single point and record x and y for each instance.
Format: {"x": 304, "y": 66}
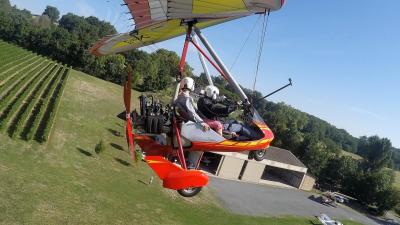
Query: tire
{"x": 155, "y": 125}
{"x": 149, "y": 124}
{"x": 189, "y": 192}
{"x": 160, "y": 125}
{"x": 259, "y": 155}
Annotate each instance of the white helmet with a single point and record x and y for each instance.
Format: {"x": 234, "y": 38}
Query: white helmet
{"x": 212, "y": 92}
{"x": 187, "y": 83}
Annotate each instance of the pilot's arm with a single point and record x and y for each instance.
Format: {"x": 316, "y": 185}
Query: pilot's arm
{"x": 218, "y": 109}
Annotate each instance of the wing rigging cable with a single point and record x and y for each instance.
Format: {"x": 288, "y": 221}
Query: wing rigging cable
{"x": 260, "y": 50}
{"x": 244, "y": 43}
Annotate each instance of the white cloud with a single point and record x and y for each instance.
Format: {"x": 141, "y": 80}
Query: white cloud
{"x": 367, "y": 112}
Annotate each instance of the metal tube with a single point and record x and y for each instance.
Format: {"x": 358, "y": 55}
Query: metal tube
{"x": 181, "y": 155}
{"x": 228, "y": 75}
{"x": 203, "y": 63}
{"x": 184, "y": 53}
{"x": 209, "y": 60}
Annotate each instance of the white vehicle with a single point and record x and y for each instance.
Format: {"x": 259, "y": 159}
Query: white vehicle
{"x": 326, "y": 220}
{"x": 339, "y": 199}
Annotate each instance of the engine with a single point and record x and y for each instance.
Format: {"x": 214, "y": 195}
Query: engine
{"x": 154, "y": 117}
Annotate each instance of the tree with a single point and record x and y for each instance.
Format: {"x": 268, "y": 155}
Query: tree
{"x": 5, "y": 6}
{"x": 376, "y": 151}
{"x": 336, "y": 172}
{"x": 388, "y": 199}
{"x": 367, "y": 186}
{"x": 52, "y": 13}
{"x": 315, "y": 155}
{"x": 42, "y": 21}
{"x": 287, "y": 124}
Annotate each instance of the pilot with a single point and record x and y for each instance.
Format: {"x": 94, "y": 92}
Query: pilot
{"x": 209, "y": 106}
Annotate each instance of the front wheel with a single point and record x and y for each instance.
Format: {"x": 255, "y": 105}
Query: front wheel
{"x": 189, "y": 192}
{"x": 259, "y": 155}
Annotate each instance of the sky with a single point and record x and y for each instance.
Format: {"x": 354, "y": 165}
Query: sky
{"x": 343, "y": 56}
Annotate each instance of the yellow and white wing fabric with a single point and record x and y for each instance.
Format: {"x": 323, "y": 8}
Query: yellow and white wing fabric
{"x": 159, "y": 20}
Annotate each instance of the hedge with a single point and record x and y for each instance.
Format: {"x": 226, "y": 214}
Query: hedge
{"x": 13, "y": 89}
{"x": 20, "y": 120}
{"x": 13, "y": 71}
{"x": 24, "y": 92}
{"x": 9, "y": 61}
{"x": 53, "y": 106}
{"x": 41, "y": 106}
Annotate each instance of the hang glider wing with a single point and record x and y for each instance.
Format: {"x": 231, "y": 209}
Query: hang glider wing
{"x": 159, "y": 20}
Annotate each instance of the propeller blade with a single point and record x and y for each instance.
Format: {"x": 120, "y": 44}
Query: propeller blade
{"x": 127, "y": 101}
{"x": 127, "y": 90}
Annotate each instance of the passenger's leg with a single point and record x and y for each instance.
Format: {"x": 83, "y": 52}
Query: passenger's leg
{"x": 215, "y": 125}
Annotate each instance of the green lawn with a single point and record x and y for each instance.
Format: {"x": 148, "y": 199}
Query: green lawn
{"x": 65, "y": 182}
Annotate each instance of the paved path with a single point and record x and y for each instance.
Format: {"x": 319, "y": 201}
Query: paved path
{"x": 254, "y": 199}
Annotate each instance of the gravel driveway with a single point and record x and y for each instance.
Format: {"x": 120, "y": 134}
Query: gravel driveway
{"x": 254, "y": 199}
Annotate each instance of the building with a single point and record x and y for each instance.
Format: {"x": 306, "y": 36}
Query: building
{"x": 279, "y": 167}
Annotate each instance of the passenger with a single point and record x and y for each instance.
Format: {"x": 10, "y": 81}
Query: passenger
{"x": 185, "y": 103}
{"x": 243, "y": 132}
{"x": 212, "y": 109}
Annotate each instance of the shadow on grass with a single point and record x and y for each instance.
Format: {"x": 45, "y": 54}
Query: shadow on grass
{"x": 114, "y": 132}
{"x": 116, "y": 146}
{"x": 140, "y": 181}
{"x": 83, "y": 151}
{"x": 122, "y": 162}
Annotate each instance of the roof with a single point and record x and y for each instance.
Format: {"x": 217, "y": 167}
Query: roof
{"x": 282, "y": 156}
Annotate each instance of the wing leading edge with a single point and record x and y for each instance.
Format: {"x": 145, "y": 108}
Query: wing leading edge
{"x": 159, "y": 20}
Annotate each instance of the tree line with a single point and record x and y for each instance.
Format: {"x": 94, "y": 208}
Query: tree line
{"x": 317, "y": 143}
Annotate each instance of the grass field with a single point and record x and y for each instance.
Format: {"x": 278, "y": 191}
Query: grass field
{"x": 352, "y": 155}
{"x": 65, "y": 182}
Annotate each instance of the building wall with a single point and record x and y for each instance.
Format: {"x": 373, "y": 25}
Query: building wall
{"x": 253, "y": 171}
{"x": 308, "y": 183}
{"x": 230, "y": 167}
{"x": 290, "y": 177}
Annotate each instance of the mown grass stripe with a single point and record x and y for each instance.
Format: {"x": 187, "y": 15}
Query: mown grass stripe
{"x": 11, "y": 60}
{"x": 19, "y": 120}
{"x": 20, "y": 84}
{"x": 30, "y": 115}
{"x": 15, "y": 105}
{"x": 6, "y": 49}
{"x": 10, "y": 85}
{"x": 16, "y": 67}
{"x": 40, "y": 107}
{"x": 13, "y": 71}
{"x": 11, "y": 53}
{"x": 47, "y": 106}
{"x": 53, "y": 107}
